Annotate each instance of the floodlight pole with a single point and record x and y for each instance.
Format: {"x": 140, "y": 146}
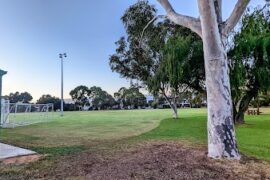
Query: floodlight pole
{"x": 62, "y": 56}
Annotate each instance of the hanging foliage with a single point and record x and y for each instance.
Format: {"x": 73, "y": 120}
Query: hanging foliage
{"x": 250, "y": 70}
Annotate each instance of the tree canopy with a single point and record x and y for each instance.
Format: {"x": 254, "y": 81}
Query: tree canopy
{"x": 143, "y": 54}
{"x": 250, "y": 58}
{"x": 24, "y": 97}
{"x": 80, "y": 95}
{"x": 100, "y": 99}
{"x": 47, "y": 98}
{"x": 130, "y": 97}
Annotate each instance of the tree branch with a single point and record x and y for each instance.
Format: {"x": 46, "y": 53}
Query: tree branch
{"x": 218, "y": 9}
{"x": 182, "y": 20}
{"x": 148, "y": 24}
{"x": 184, "y": 90}
{"x": 238, "y": 10}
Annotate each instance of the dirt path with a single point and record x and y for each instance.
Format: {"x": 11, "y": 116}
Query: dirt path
{"x": 156, "y": 160}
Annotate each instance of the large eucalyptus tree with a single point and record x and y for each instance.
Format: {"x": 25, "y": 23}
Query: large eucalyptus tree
{"x": 214, "y": 32}
{"x": 141, "y": 55}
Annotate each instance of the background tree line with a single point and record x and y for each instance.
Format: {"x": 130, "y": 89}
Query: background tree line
{"x": 94, "y": 98}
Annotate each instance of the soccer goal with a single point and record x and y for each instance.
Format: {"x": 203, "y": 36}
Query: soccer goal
{"x": 23, "y": 114}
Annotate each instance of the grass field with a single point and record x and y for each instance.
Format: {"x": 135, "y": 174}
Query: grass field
{"x": 85, "y": 130}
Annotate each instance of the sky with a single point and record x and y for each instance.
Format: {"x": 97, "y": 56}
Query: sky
{"x": 34, "y": 32}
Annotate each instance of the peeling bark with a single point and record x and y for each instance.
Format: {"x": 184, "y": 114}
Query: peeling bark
{"x": 221, "y": 135}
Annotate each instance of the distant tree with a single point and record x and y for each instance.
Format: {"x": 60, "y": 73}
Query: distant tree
{"x": 130, "y": 97}
{"x": 250, "y": 58}
{"x": 120, "y": 96}
{"x": 23, "y": 97}
{"x": 134, "y": 98}
{"x": 80, "y": 95}
{"x": 100, "y": 99}
{"x": 47, "y": 98}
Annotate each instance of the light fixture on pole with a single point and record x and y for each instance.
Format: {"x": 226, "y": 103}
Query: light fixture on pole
{"x": 62, "y": 56}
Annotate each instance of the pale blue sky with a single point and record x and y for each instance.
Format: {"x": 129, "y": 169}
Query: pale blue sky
{"x": 34, "y": 32}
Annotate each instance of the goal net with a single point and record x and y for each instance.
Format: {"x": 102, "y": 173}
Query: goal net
{"x": 22, "y": 114}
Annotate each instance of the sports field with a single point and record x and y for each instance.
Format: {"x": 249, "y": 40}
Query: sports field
{"x": 78, "y": 129}
{"x": 85, "y": 130}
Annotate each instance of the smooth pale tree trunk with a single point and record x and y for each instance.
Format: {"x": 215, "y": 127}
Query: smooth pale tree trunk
{"x": 221, "y": 134}
{"x": 175, "y": 113}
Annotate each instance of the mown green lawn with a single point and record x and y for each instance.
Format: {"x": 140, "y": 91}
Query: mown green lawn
{"x": 83, "y": 130}
{"x": 253, "y": 137}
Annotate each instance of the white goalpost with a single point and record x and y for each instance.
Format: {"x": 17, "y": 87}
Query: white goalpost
{"x": 22, "y": 114}
{"x": 4, "y": 111}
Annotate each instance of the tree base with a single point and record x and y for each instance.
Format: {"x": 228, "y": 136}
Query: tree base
{"x": 214, "y": 154}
